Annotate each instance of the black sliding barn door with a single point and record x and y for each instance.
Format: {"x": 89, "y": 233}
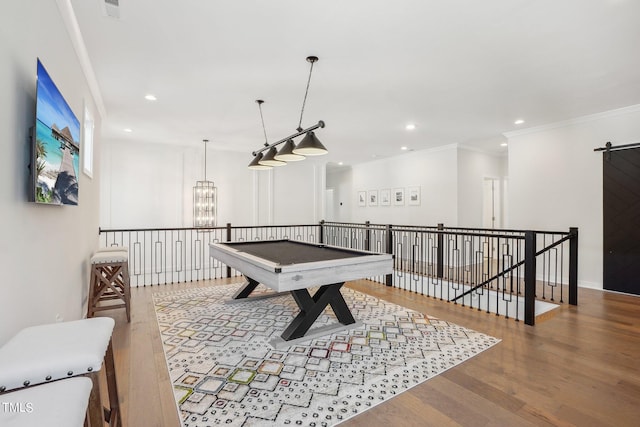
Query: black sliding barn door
{"x": 621, "y": 210}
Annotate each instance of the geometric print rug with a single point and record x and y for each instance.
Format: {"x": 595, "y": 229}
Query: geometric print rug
{"x": 225, "y": 372}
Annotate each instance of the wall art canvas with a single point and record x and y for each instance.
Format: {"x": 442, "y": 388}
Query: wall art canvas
{"x": 398, "y": 196}
{"x": 373, "y": 197}
{"x": 362, "y": 198}
{"x": 385, "y": 197}
{"x": 414, "y": 196}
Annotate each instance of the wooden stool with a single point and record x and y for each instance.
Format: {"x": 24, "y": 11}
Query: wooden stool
{"x": 60, "y": 403}
{"x": 109, "y": 281}
{"x": 41, "y": 354}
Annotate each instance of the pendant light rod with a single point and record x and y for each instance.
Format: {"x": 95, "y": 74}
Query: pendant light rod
{"x": 312, "y": 60}
{"x": 320, "y": 124}
{"x": 205, "y": 158}
{"x": 260, "y": 102}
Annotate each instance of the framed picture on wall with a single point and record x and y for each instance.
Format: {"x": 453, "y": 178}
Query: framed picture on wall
{"x": 398, "y": 196}
{"x": 414, "y": 196}
{"x": 385, "y": 197}
{"x": 362, "y": 198}
{"x": 372, "y": 196}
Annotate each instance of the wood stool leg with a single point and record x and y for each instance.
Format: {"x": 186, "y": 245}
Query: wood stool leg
{"x": 127, "y": 290}
{"x": 115, "y": 417}
{"x": 92, "y": 290}
{"x": 95, "y": 410}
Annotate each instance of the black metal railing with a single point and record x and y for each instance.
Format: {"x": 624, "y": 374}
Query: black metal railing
{"x": 498, "y": 271}
{"x": 176, "y": 255}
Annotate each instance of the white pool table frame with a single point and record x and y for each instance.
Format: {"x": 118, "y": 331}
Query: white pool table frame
{"x": 329, "y": 275}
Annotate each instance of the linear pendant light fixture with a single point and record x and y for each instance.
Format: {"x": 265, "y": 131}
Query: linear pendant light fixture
{"x": 204, "y": 199}
{"x": 309, "y": 146}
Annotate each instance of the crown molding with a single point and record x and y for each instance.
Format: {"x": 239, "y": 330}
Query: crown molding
{"x": 481, "y": 151}
{"x": 436, "y": 149}
{"x": 71, "y": 23}
{"x": 578, "y": 120}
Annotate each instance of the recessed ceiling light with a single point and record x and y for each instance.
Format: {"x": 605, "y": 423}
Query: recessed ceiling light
{"x": 404, "y": 148}
{"x": 150, "y": 97}
{"x": 410, "y": 126}
{"x": 518, "y": 122}
{"x": 340, "y": 163}
{"x": 128, "y": 130}
{"x": 504, "y": 144}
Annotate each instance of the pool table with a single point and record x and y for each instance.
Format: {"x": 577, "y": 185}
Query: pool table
{"x": 294, "y": 266}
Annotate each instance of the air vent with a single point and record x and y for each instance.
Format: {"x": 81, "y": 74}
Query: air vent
{"x": 111, "y": 8}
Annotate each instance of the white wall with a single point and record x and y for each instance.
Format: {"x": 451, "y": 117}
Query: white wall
{"x": 298, "y": 192}
{"x": 450, "y": 178}
{"x": 155, "y": 182}
{"x": 147, "y": 185}
{"x": 263, "y": 197}
{"x": 44, "y": 250}
{"x": 434, "y": 171}
{"x": 555, "y": 179}
{"x": 473, "y": 167}
{"x": 138, "y": 181}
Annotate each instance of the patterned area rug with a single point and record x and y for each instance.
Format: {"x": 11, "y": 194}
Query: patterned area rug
{"x": 224, "y": 372}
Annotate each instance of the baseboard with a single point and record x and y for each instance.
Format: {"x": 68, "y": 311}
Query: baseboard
{"x": 590, "y": 285}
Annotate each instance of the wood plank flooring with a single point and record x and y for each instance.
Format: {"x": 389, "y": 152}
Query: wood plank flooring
{"x": 579, "y": 368}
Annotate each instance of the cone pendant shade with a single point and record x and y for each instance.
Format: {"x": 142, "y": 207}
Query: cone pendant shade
{"x": 310, "y": 146}
{"x": 269, "y": 158}
{"x": 286, "y": 153}
{"x": 255, "y": 163}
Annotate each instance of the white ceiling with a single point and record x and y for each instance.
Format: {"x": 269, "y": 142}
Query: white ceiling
{"x": 462, "y": 70}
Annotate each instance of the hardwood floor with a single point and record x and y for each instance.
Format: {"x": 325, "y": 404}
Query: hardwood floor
{"x": 581, "y": 367}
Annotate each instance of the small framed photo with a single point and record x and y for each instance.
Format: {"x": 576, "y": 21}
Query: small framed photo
{"x": 414, "y": 196}
{"x": 398, "y": 196}
{"x": 372, "y": 196}
{"x": 362, "y": 198}
{"x": 385, "y": 197}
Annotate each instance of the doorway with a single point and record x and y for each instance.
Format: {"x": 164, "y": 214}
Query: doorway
{"x": 621, "y": 219}
{"x": 491, "y": 203}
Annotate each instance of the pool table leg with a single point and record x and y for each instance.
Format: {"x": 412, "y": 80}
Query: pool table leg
{"x": 312, "y": 307}
{"x": 245, "y": 290}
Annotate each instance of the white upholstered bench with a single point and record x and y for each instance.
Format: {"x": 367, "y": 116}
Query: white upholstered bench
{"x": 46, "y": 353}
{"x": 60, "y": 403}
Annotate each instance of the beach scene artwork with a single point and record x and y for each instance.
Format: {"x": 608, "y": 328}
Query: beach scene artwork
{"x": 57, "y": 146}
